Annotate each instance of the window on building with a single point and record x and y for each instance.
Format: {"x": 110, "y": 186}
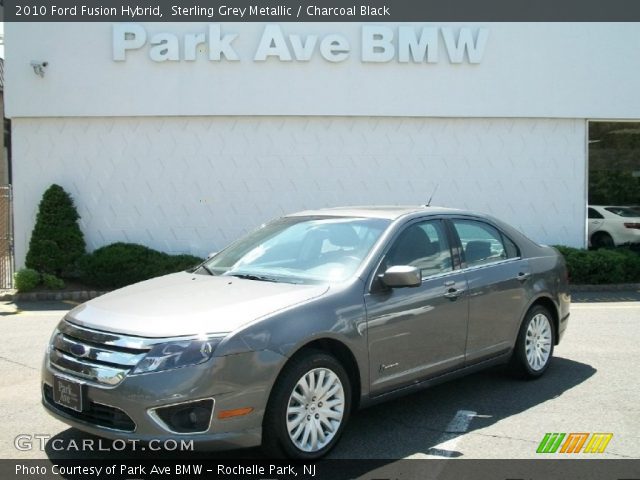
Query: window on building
{"x": 614, "y": 164}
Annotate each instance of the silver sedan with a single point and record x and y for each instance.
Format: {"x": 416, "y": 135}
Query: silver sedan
{"x": 278, "y": 338}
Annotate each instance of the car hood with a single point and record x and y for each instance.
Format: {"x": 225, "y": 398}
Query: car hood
{"x": 189, "y": 304}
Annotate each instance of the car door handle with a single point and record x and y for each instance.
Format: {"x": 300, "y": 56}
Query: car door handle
{"x": 522, "y": 276}
{"x": 453, "y": 293}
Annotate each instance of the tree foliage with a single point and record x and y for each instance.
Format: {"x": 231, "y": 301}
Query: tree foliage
{"x": 56, "y": 242}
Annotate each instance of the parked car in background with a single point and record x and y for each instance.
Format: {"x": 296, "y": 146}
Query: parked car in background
{"x": 610, "y": 226}
{"x": 279, "y": 337}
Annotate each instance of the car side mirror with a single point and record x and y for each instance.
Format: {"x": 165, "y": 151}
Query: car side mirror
{"x": 400, "y": 276}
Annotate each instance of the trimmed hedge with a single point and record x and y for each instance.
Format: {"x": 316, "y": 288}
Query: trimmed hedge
{"x": 52, "y": 282}
{"x": 120, "y": 264}
{"x": 56, "y": 242}
{"x": 26, "y": 279}
{"x": 597, "y": 267}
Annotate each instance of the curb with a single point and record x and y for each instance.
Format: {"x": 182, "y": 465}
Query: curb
{"x": 620, "y": 287}
{"x": 84, "y": 295}
{"x": 78, "y": 296}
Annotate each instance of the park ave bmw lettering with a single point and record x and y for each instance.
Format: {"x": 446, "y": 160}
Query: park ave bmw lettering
{"x": 378, "y": 44}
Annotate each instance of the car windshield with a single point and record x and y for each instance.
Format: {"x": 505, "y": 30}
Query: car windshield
{"x": 624, "y": 211}
{"x": 300, "y": 250}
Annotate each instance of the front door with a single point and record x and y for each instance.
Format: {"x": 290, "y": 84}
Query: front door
{"x": 596, "y": 219}
{"x": 415, "y": 333}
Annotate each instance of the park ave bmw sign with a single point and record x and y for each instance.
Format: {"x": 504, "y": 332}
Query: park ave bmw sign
{"x": 378, "y": 44}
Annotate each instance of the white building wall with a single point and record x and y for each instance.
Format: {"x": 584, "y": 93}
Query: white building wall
{"x": 532, "y": 70}
{"x": 192, "y": 184}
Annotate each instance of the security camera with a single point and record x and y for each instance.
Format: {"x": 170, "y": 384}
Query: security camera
{"x": 39, "y": 67}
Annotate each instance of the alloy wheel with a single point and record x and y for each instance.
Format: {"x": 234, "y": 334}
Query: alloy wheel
{"x": 538, "y": 342}
{"x": 315, "y": 409}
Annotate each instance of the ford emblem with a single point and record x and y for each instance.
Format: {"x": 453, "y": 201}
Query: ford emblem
{"x": 79, "y": 350}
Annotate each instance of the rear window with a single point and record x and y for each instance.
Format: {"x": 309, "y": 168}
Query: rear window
{"x": 593, "y": 213}
{"x": 624, "y": 211}
{"x": 481, "y": 243}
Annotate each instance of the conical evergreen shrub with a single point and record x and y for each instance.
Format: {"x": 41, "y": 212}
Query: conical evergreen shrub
{"x": 56, "y": 241}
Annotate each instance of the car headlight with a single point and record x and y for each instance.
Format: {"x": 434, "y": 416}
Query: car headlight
{"x": 177, "y": 354}
{"x": 52, "y": 339}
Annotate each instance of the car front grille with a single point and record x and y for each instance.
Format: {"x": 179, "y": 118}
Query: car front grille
{"x": 95, "y": 414}
{"x": 99, "y": 357}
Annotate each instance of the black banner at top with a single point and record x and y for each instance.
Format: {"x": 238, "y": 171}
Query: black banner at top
{"x": 322, "y": 10}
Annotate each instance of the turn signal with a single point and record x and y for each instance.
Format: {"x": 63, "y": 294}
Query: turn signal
{"x": 234, "y": 413}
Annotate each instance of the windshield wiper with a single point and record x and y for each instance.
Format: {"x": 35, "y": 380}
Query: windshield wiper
{"x": 251, "y": 276}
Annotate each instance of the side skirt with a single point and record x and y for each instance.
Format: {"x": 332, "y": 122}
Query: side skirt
{"x": 367, "y": 401}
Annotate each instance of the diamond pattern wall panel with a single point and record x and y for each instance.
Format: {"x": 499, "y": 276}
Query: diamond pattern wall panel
{"x": 193, "y": 184}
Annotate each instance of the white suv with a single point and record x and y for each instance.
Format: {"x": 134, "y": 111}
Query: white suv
{"x": 613, "y": 226}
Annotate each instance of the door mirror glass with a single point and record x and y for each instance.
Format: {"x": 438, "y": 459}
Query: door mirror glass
{"x": 400, "y": 276}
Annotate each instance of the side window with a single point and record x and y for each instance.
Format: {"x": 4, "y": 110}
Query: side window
{"x": 481, "y": 243}
{"x": 594, "y": 213}
{"x": 512, "y": 249}
{"x": 423, "y": 245}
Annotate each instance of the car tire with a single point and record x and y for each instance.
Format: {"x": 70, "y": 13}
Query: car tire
{"x": 602, "y": 240}
{"x": 534, "y": 347}
{"x": 308, "y": 407}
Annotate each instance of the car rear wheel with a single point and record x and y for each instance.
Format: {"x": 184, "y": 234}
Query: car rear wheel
{"x": 308, "y": 407}
{"x": 534, "y": 347}
{"x": 602, "y": 240}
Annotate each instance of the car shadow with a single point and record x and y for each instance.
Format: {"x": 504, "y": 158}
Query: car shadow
{"x": 425, "y": 417}
{"x": 391, "y": 430}
{"x": 9, "y": 308}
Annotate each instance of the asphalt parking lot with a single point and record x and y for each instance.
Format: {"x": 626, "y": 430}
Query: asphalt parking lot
{"x": 593, "y": 385}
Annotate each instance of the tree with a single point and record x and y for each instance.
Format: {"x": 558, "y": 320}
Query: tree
{"x": 56, "y": 241}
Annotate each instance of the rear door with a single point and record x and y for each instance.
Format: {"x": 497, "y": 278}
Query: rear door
{"x": 596, "y": 220}
{"x": 418, "y": 332}
{"x": 496, "y": 278}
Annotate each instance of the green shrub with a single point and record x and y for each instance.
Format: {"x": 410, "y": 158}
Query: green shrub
{"x": 56, "y": 241}
{"x": 178, "y": 263}
{"x": 121, "y": 264}
{"x": 26, "y": 279}
{"x": 52, "y": 282}
{"x": 594, "y": 267}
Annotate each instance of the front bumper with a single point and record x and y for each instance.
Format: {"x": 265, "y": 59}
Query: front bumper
{"x": 126, "y": 411}
{"x": 564, "y": 306}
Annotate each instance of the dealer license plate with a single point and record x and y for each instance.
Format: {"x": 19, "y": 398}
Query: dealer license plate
{"x": 67, "y": 393}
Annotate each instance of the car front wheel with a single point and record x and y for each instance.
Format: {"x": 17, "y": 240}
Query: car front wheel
{"x": 308, "y": 407}
{"x": 534, "y": 347}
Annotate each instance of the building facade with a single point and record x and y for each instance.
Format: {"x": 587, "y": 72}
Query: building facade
{"x": 182, "y": 136}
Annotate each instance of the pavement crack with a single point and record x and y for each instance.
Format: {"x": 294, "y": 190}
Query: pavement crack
{"x": 18, "y": 363}
{"x": 507, "y": 437}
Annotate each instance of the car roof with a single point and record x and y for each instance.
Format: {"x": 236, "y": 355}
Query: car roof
{"x": 390, "y": 212}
